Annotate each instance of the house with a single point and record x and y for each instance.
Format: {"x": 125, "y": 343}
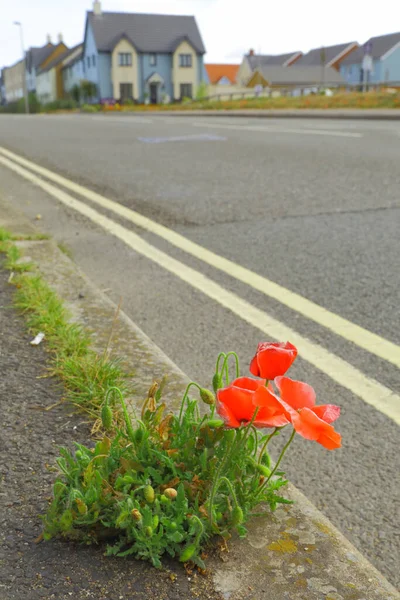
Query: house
{"x": 142, "y": 56}
{"x": 49, "y": 80}
{"x": 297, "y": 79}
{"x": 219, "y": 74}
{"x": 14, "y": 81}
{"x": 35, "y": 58}
{"x": 384, "y": 51}
{"x": 2, "y": 89}
{"x": 252, "y": 61}
{"x": 329, "y": 56}
{"x": 72, "y": 69}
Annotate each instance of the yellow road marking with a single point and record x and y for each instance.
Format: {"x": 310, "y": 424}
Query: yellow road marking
{"x": 369, "y": 390}
{"x": 342, "y": 327}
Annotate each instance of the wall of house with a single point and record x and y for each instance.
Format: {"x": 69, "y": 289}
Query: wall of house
{"x": 72, "y": 75}
{"x": 92, "y": 72}
{"x": 353, "y": 73}
{"x": 390, "y": 67}
{"x": 14, "y": 81}
{"x": 163, "y": 68}
{"x": 126, "y": 74}
{"x": 244, "y": 72}
{"x": 200, "y": 68}
{"x": 184, "y": 74}
{"x": 46, "y": 86}
{"x": 225, "y": 90}
{"x": 105, "y": 82}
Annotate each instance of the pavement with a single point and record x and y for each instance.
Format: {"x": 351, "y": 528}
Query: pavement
{"x": 312, "y": 206}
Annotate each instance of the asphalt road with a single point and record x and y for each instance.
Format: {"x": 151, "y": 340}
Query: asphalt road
{"x": 312, "y": 206}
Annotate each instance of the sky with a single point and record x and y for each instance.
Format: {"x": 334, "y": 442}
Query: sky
{"x": 229, "y": 29}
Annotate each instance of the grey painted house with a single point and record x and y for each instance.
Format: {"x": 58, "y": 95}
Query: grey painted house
{"x": 385, "y": 55}
{"x": 143, "y": 57}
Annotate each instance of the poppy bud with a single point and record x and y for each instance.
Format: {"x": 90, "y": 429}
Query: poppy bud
{"x": 148, "y": 531}
{"x": 156, "y": 521}
{"x": 136, "y": 514}
{"x": 170, "y": 493}
{"x": 207, "y": 397}
{"x": 237, "y": 515}
{"x": 215, "y": 423}
{"x": 187, "y": 553}
{"x": 164, "y": 499}
{"x": 106, "y": 416}
{"x": 263, "y": 470}
{"x": 217, "y": 382}
{"x": 149, "y": 494}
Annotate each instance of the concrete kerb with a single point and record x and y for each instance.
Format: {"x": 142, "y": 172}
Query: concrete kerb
{"x": 375, "y": 114}
{"x": 292, "y": 554}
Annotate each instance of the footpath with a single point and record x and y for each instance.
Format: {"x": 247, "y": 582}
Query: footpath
{"x": 293, "y": 554}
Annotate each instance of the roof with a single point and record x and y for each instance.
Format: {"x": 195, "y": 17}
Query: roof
{"x": 332, "y": 53}
{"x": 148, "y": 32}
{"x": 73, "y": 55}
{"x": 215, "y": 72}
{"x": 56, "y": 61}
{"x": 36, "y": 56}
{"x": 308, "y": 75}
{"x": 379, "y": 46}
{"x": 259, "y": 60}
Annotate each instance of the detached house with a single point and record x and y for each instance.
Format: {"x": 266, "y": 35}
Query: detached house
{"x": 384, "y": 61}
{"x": 38, "y": 57}
{"x": 251, "y": 62}
{"x": 142, "y": 56}
{"x": 328, "y": 56}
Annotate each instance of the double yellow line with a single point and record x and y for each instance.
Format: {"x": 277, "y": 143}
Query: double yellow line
{"x": 340, "y": 371}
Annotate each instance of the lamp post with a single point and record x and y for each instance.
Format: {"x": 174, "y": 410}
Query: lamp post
{"x": 24, "y": 65}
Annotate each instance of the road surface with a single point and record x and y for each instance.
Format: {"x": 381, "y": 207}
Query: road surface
{"x": 313, "y": 206}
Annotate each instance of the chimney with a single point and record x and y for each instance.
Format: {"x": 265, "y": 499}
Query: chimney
{"x": 251, "y": 52}
{"x": 48, "y": 38}
{"x": 97, "y": 8}
{"x": 60, "y": 38}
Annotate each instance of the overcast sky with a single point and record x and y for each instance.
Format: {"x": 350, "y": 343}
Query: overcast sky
{"x": 228, "y": 28}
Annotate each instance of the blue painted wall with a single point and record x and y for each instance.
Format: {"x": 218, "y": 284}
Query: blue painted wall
{"x": 163, "y": 68}
{"x": 73, "y": 75}
{"x": 352, "y": 73}
{"x": 390, "y": 68}
{"x": 90, "y": 50}
{"x": 201, "y": 69}
{"x": 105, "y": 83}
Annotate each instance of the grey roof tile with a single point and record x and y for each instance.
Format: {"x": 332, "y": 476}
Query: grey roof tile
{"x": 380, "y": 45}
{"x": 148, "y": 32}
{"x": 307, "y": 75}
{"x": 313, "y": 57}
{"x": 36, "y": 56}
{"x": 57, "y": 60}
{"x": 259, "y": 60}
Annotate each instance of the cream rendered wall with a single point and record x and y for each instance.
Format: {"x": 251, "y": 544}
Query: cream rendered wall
{"x": 244, "y": 72}
{"x": 46, "y": 86}
{"x": 124, "y": 74}
{"x": 184, "y": 74}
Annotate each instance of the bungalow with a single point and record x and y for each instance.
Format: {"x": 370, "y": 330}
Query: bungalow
{"x": 384, "y": 62}
{"x": 142, "y": 57}
{"x": 329, "y": 56}
{"x": 297, "y": 80}
{"x": 251, "y": 62}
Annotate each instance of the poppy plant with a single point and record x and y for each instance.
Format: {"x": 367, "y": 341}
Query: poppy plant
{"x": 273, "y": 359}
{"x": 310, "y": 421}
{"x": 236, "y": 406}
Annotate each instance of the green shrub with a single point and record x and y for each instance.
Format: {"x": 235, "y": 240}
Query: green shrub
{"x": 90, "y": 108}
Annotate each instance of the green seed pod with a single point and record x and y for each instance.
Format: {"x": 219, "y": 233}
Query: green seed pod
{"x": 263, "y": 470}
{"x": 156, "y": 521}
{"x": 106, "y": 416}
{"x": 173, "y": 526}
{"x": 149, "y": 494}
{"x": 148, "y": 531}
{"x": 237, "y": 516}
{"x": 79, "y": 454}
{"x": 164, "y": 499}
{"x": 138, "y": 437}
{"x": 215, "y": 423}
{"x": 207, "y": 397}
{"x": 217, "y": 382}
{"x": 188, "y": 553}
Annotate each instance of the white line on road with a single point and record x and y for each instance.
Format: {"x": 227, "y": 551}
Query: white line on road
{"x": 369, "y": 390}
{"x": 256, "y": 128}
{"x": 342, "y": 327}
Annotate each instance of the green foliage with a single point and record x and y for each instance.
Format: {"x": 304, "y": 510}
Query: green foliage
{"x": 202, "y": 91}
{"x": 163, "y": 484}
{"x": 88, "y": 90}
{"x": 76, "y": 93}
{"x": 90, "y": 108}
{"x": 63, "y": 104}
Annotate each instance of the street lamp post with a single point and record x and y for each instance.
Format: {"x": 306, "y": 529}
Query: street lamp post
{"x": 24, "y": 65}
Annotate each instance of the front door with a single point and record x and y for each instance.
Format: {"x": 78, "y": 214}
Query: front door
{"x": 153, "y": 93}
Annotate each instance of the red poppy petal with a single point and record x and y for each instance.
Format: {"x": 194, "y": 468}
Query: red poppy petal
{"x": 254, "y": 368}
{"x": 310, "y": 426}
{"x": 247, "y": 383}
{"x": 239, "y": 402}
{"x": 226, "y": 414}
{"x": 278, "y": 420}
{"x": 330, "y": 439}
{"x": 296, "y": 393}
{"x": 327, "y": 412}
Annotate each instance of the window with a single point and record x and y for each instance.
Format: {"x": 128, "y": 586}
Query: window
{"x": 186, "y": 90}
{"x": 153, "y": 60}
{"x": 94, "y": 60}
{"x": 185, "y": 60}
{"x": 88, "y": 62}
{"x": 125, "y": 59}
{"x": 125, "y": 91}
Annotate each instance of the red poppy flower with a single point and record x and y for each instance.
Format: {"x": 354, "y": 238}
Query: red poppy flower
{"x": 272, "y": 359}
{"x": 236, "y": 404}
{"x": 310, "y": 421}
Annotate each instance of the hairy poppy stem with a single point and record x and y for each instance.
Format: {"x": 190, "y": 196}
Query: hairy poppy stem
{"x": 285, "y": 447}
{"x": 189, "y": 385}
{"x": 217, "y": 479}
{"x": 226, "y": 368}
{"x": 266, "y": 443}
